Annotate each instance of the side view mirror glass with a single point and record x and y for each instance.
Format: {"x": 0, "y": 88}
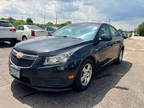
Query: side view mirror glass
{"x": 105, "y": 37}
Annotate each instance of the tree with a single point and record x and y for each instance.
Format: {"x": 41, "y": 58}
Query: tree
{"x": 49, "y": 24}
{"x": 69, "y": 22}
{"x": 19, "y": 22}
{"x": 40, "y": 25}
{"x": 2, "y": 18}
{"x": 140, "y": 29}
{"x": 10, "y": 19}
{"x": 29, "y": 21}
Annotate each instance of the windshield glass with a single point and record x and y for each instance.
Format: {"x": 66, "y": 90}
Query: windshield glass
{"x": 34, "y": 27}
{"x": 83, "y": 31}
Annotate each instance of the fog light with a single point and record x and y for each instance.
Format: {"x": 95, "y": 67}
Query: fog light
{"x": 71, "y": 77}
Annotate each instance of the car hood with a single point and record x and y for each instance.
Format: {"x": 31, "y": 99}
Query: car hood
{"x": 48, "y": 44}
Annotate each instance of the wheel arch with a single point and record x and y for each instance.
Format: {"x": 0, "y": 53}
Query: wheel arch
{"x": 24, "y": 36}
{"x": 91, "y": 58}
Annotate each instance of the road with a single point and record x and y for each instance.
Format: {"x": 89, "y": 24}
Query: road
{"x": 117, "y": 86}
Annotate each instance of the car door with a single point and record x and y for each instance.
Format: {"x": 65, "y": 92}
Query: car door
{"x": 103, "y": 55}
{"x": 116, "y": 39}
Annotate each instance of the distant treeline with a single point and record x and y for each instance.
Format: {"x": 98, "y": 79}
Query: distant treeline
{"x": 29, "y": 21}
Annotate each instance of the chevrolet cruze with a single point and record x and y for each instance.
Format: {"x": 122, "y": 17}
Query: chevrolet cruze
{"x": 69, "y": 58}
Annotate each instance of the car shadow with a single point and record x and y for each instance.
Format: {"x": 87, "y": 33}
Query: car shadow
{"x": 5, "y": 45}
{"x": 104, "y": 81}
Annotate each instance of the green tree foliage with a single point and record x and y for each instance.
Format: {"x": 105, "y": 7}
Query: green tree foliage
{"x": 60, "y": 25}
{"x": 10, "y": 19}
{"x": 69, "y": 22}
{"x": 49, "y": 24}
{"x": 140, "y": 29}
{"x": 29, "y": 21}
{"x": 19, "y": 22}
{"x": 40, "y": 25}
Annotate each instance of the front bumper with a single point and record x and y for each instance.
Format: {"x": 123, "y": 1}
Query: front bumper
{"x": 48, "y": 78}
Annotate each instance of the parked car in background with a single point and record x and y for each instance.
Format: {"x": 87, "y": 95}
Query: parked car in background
{"x": 25, "y": 32}
{"x": 124, "y": 34}
{"x": 7, "y": 32}
{"x": 51, "y": 29}
{"x": 67, "y": 59}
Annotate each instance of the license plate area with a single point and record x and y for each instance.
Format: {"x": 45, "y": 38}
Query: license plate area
{"x": 15, "y": 71}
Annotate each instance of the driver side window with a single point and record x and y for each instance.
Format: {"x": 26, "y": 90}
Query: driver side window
{"x": 104, "y": 30}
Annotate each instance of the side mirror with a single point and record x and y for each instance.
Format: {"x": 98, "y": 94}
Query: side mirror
{"x": 105, "y": 37}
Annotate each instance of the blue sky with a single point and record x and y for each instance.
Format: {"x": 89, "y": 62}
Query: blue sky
{"x": 124, "y": 14}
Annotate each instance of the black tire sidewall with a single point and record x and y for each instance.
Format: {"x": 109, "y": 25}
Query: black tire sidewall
{"x": 77, "y": 83}
{"x": 118, "y": 59}
{"x": 13, "y": 42}
{"x": 24, "y": 38}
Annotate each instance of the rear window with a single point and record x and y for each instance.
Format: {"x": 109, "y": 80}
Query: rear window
{"x": 50, "y": 29}
{"x": 5, "y": 24}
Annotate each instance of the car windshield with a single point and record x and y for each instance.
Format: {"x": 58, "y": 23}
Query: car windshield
{"x": 34, "y": 27}
{"x": 83, "y": 31}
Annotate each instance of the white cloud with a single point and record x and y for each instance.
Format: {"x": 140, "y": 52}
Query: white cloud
{"x": 77, "y": 11}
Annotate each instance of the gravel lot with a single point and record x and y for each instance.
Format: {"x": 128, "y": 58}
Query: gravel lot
{"x": 117, "y": 86}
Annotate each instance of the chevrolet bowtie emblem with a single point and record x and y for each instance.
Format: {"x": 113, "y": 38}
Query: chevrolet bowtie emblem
{"x": 19, "y": 55}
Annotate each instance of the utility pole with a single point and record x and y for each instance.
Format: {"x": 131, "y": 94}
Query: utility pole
{"x": 22, "y": 17}
{"x": 44, "y": 16}
{"x": 56, "y": 18}
{"x": 87, "y": 19}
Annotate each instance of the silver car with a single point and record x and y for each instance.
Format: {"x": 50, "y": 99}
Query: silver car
{"x": 7, "y": 32}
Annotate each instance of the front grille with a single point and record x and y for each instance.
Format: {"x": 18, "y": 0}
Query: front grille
{"x": 25, "y": 61}
{"x": 21, "y": 62}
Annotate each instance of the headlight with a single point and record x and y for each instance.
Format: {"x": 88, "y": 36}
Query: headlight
{"x": 58, "y": 59}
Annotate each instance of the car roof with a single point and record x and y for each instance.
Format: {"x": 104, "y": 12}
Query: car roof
{"x": 4, "y": 21}
{"x": 89, "y": 23}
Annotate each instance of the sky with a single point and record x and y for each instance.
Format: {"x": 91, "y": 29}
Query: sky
{"x": 123, "y": 14}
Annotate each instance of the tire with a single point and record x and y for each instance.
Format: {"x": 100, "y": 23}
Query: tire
{"x": 80, "y": 82}
{"x": 13, "y": 42}
{"x": 120, "y": 57}
{"x": 24, "y": 38}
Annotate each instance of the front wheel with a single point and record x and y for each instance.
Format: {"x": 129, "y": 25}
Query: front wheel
{"x": 84, "y": 76}
{"x": 120, "y": 57}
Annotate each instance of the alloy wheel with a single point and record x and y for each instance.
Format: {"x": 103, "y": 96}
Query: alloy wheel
{"x": 86, "y": 74}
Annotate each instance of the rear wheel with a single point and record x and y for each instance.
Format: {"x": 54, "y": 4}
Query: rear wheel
{"x": 24, "y": 38}
{"x": 84, "y": 76}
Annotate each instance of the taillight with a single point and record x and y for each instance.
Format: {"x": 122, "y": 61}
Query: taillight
{"x": 13, "y": 30}
{"x": 32, "y": 32}
{"x": 49, "y": 33}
